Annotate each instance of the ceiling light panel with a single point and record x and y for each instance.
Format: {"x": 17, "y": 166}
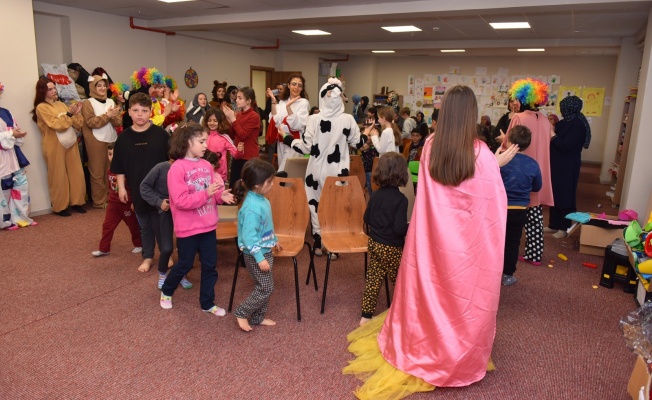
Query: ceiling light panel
{"x": 510, "y": 25}
{"x": 311, "y": 32}
{"x": 396, "y": 29}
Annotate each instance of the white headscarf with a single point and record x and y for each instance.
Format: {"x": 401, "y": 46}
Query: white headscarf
{"x": 330, "y": 99}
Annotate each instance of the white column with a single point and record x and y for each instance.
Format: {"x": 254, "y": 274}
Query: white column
{"x": 638, "y": 177}
{"x": 629, "y": 61}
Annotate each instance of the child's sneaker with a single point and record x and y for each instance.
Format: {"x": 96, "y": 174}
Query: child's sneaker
{"x": 220, "y": 312}
{"x": 137, "y": 250}
{"x": 161, "y": 279}
{"x": 166, "y": 302}
{"x": 508, "y": 280}
{"x": 98, "y": 253}
{"x": 185, "y": 283}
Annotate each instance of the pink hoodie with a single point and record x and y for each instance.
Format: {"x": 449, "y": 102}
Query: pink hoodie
{"x": 193, "y": 211}
{"x": 221, "y": 143}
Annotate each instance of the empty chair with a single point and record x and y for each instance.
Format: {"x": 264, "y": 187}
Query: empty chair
{"x": 341, "y": 218}
{"x": 296, "y": 167}
{"x": 357, "y": 169}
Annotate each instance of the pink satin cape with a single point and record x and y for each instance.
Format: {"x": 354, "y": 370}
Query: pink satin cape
{"x": 442, "y": 321}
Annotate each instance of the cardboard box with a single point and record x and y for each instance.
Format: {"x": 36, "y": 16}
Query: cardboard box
{"x": 593, "y": 239}
{"x": 639, "y": 382}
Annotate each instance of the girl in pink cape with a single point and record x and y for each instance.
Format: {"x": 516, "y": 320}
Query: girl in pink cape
{"x": 440, "y": 328}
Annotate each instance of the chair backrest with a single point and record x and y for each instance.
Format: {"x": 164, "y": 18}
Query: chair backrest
{"x": 342, "y": 205}
{"x": 289, "y": 206}
{"x": 296, "y": 167}
{"x": 357, "y": 169}
{"x": 406, "y": 142}
{"x": 408, "y": 191}
{"x": 413, "y": 167}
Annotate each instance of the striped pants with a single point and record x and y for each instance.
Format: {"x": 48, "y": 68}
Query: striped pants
{"x": 255, "y": 307}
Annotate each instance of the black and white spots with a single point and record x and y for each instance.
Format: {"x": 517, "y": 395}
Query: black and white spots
{"x": 344, "y": 172}
{"x": 315, "y": 204}
{"x": 314, "y": 150}
{"x": 324, "y": 126}
{"x": 311, "y": 182}
{"x": 346, "y": 132}
{"x": 297, "y": 149}
{"x": 335, "y": 156}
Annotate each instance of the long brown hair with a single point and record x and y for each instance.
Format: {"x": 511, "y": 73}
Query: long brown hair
{"x": 181, "y": 138}
{"x": 39, "y": 97}
{"x": 390, "y": 116}
{"x": 223, "y": 124}
{"x": 452, "y": 154}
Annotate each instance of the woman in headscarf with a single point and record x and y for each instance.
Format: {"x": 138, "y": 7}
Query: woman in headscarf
{"x": 532, "y": 93}
{"x": 361, "y": 111}
{"x": 101, "y": 116}
{"x": 572, "y": 134}
{"x": 553, "y": 118}
{"x": 198, "y": 108}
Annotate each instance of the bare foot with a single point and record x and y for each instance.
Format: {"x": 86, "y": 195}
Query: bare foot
{"x": 146, "y": 265}
{"x": 244, "y": 324}
{"x": 170, "y": 263}
{"x": 364, "y": 320}
{"x": 267, "y": 322}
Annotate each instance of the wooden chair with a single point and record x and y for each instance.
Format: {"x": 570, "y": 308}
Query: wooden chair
{"x": 357, "y": 169}
{"x": 374, "y": 185}
{"x": 341, "y": 212}
{"x": 296, "y": 167}
{"x": 291, "y": 217}
{"x": 408, "y": 191}
{"x": 227, "y": 228}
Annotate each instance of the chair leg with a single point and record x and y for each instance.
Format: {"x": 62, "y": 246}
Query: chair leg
{"x": 235, "y": 277}
{"x": 323, "y": 299}
{"x": 389, "y": 301}
{"x": 296, "y": 287}
{"x": 311, "y": 268}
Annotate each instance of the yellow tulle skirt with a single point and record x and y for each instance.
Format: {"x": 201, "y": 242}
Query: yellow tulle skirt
{"x": 381, "y": 381}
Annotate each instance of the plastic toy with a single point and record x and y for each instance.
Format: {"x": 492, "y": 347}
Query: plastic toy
{"x": 589, "y": 265}
{"x": 562, "y": 257}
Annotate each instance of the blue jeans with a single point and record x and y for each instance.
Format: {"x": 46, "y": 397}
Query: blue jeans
{"x": 368, "y": 183}
{"x": 206, "y": 245}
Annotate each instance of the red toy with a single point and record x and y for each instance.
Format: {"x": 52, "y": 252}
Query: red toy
{"x": 589, "y": 265}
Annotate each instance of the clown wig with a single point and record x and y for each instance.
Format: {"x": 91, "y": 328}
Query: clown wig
{"x": 146, "y": 77}
{"x": 530, "y": 92}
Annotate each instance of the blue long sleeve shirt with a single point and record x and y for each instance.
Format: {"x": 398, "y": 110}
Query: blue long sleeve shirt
{"x": 520, "y": 177}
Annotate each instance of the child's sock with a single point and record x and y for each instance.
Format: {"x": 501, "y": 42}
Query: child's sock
{"x": 166, "y": 301}
{"x": 137, "y": 250}
{"x": 185, "y": 283}
{"x": 161, "y": 279}
{"x": 98, "y": 253}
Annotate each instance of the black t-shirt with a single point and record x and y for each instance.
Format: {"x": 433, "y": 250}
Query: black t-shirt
{"x": 135, "y": 154}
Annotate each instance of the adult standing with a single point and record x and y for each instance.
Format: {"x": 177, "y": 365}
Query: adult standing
{"x": 246, "y": 125}
{"x": 59, "y": 145}
{"x": 290, "y": 115}
{"x": 219, "y": 94}
{"x": 503, "y": 123}
{"x": 572, "y": 134}
{"x": 101, "y": 116}
{"x": 454, "y": 287}
{"x": 327, "y": 139}
{"x": 232, "y": 93}
{"x": 532, "y": 93}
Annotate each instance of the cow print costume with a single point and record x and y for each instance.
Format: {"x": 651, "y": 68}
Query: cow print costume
{"x": 327, "y": 138}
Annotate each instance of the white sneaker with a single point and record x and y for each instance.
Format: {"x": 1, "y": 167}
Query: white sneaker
{"x": 137, "y": 250}
{"x": 318, "y": 251}
{"x": 560, "y": 235}
{"x": 98, "y": 253}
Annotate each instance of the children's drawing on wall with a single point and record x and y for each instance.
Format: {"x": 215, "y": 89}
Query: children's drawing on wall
{"x": 455, "y": 70}
{"x": 552, "y": 100}
{"x": 481, "y": 71}
{"x": 593, "y": 99}
{"x": 410, "y": 85}
{"x": 554, "y": 80}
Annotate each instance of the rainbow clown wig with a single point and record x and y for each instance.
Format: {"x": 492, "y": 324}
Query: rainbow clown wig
{"x": 170, "y": 82}
{"x": 530, "y": 92}
{"x": 146, "y": 77}
{"x": 118, "y": 88}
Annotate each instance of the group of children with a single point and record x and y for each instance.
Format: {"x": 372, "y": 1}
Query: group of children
{"x": 173, "y": 185}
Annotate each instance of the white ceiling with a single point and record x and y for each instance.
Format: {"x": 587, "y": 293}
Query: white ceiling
{"x": 562, "y": 27}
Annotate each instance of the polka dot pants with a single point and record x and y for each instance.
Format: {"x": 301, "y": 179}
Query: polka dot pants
{"x": 383, "y": 260}
{"x": 534, "y": 234}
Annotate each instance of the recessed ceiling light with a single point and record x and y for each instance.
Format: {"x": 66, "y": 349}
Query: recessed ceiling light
{"x": 408, "y": 28}
{"x": 174, "y": 1}
{"x": 531, "y": 49}
{"x": 382, "y": 51}
{"x": 311, "y": 32}
{"x": 509, "y": 25}
{"x": 453, "y": 51}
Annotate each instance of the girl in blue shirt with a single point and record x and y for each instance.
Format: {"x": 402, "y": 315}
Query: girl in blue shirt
{"x": 256, "y": 239}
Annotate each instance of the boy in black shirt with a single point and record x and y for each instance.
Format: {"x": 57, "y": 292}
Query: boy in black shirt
{"x": 137, "y": 150}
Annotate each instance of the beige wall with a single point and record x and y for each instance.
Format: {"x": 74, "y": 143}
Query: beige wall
{"x": 576, "y": 71}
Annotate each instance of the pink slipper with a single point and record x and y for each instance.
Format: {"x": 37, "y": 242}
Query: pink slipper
{"x": 535, "y": 263}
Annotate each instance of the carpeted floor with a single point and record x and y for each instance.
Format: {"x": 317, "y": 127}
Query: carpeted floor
{"x": 76, "y": 327}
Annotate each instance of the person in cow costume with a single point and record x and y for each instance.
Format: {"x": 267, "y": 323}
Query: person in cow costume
{"x": 326, "y": 138}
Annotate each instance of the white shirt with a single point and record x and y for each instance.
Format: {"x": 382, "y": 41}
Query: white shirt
{"x": 384, "y": 142}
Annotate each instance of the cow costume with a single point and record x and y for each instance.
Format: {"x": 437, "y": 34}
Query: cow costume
{"x": 326, "y": 138}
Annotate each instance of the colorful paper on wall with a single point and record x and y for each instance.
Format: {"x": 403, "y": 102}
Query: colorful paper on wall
{"x": 593, "y": 99}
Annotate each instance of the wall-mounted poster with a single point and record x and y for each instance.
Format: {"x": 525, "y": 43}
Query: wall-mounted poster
{"x": 593, "y": 99}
